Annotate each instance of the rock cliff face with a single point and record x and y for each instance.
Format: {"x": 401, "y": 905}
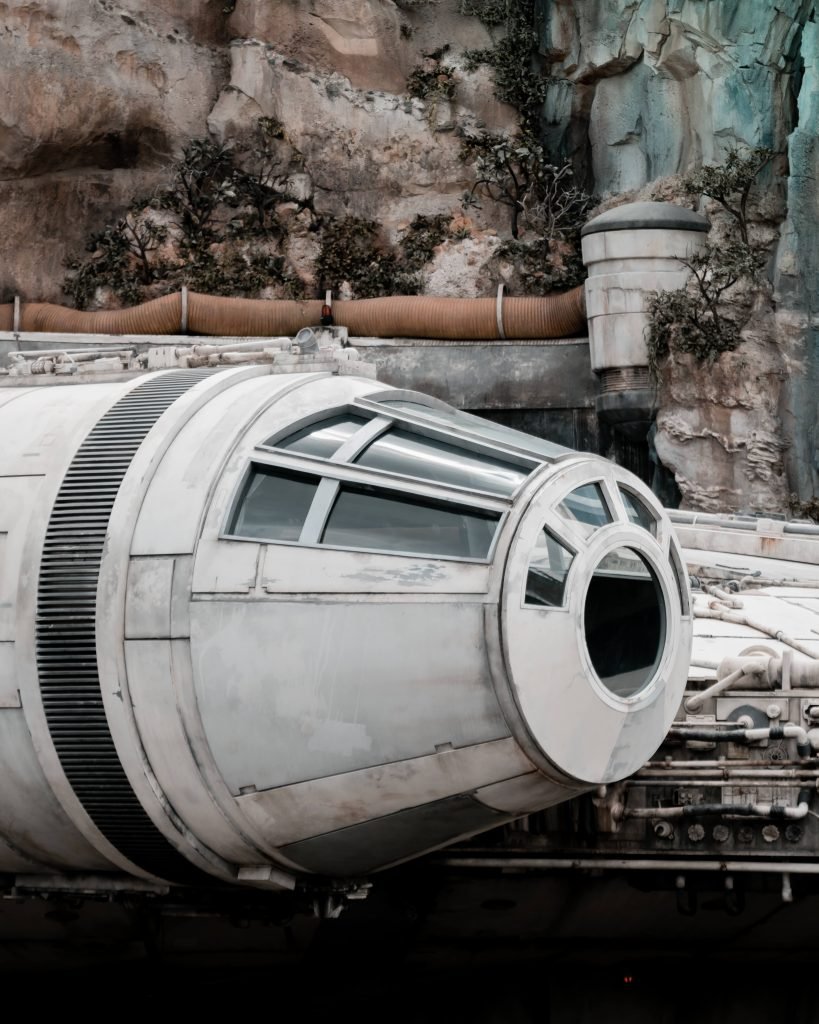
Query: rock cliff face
{"x": 97, "y": 99}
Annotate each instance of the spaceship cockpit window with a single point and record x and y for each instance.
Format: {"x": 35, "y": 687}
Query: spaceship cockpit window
{"x": 280, "y": 505}
{"x": 323, "y": 438}
{"x": 549, "y": 566}
{"x": 638, "y": 512}
{"x": 367, "y": 518}
{"x": 494, "y": 432}
{"x": 585, "y": 506}
{"x": 274, "y": 504}
{"x": 410, "y": 454}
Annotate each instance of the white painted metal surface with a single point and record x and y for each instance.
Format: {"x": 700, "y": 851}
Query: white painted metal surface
{"x": 278, "y": 707}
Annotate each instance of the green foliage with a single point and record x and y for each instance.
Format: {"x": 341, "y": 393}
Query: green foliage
{"x": 234, "y": 272}
{"x": 351, "y": 252}
{"x": 259, "y": 182}
{"x": 213, "y": 228}
{"x": 541, "y": 268}
{"x": 697, "y": 319}
{"x": 490, "y": 12}
{"x": 432, "y": 80}
{"x": 109, "y": 264}
{"x": 203, "y": 180}
{"x": 421, "y": 238}
{"x": 804, "y": 509}
{"x": 694, "y": 319}
{"x": 513, "y": 170}
{"x": 730, "y": 183}
{"x": 514, "y": 60}
{"x": 556, "y": 207}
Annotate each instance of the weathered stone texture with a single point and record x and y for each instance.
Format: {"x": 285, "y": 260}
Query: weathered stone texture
{"x": 97, "y": 98}
{"x": 666, "y": 84}
{"x": 94, "y": 99}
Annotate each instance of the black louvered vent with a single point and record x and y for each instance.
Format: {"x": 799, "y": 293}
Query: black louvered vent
{"x": 66, "y": 630}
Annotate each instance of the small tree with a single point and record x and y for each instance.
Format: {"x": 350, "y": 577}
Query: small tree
{"x": 506, "y": 168}
{"x": 730, "y": 183}
{"x": 203, "y": 180}
{"x": 514, "y": 171}
{"x": 260, "y": 183}
{"x": 695, "y": 319}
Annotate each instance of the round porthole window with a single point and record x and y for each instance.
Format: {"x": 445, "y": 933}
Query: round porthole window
{"x": 624, "y": 620}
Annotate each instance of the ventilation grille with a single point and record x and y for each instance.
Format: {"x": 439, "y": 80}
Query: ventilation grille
{"x": 624, "y": 378}
{"x": 66, "y": 630}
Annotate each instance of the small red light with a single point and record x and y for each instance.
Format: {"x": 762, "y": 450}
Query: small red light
{"x": 628, "y": 979}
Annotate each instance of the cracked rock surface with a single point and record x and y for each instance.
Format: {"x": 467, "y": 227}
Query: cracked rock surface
{"x": 98, "y": 98}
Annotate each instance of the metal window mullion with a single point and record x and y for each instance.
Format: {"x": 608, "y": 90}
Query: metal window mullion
{"x": 468, "y": 438}
{"x": 364, "y": 436}
{"x": 319, "y": 512}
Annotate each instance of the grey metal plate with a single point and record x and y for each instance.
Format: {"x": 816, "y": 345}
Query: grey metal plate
{"x": 296, "y": 690}
{"x": 363, "y": 848}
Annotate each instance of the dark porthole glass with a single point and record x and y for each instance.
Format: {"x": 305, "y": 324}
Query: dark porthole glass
{"x": 624, "y": 621}
{"x": 638, "y": 512}
{"x": 274, "y": 504}
{"x": 322, "y": 439}
{"x": 549, "y": 566}
{"x": 381, "y": 521}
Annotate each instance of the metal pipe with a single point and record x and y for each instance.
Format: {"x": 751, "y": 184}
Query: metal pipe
{"x": 761, "y": 627}
{"x": 774, "y": 783}
{"x": 779, "y": 811}
{"x": 239, "y": 346}
{"x": 746, "y": 773}
{"x": 741, "y": 735}
{"x": 77, "y": 355}
{"x": 638, "y": 864}
{"x": 722, "y": 595}
{"x": 407, "y": 316}
{"x": 695, "y": 702}
{"x": 722, "y": 763}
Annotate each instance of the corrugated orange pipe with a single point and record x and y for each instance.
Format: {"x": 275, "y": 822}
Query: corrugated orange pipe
{"x": 400, "y": 316}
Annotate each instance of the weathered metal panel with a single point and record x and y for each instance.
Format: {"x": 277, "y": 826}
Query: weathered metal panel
{"x": 172, "y": 510}
{"x": 151, "y": 667}
{"x": 225, "y": 567}
{"x": 374, "y": 844}
{"x": 293, "y": 813}
{"x": 148, "y": 602}
{"x": 18, "y": 496}
{"x": 517, "y": 796}
{"x": 323, "y": 570}
{"x": 9, "y": 693}
{"x": 489, "y": 374}
{"x": 298, "y": 690}
{"x": 32, "y": 822}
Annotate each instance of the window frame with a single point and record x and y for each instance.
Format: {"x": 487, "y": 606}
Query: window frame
{"x": 340, "y": 469}
{"x": 611, "y": 504}
{"x": 367, "y": 434}
{"x": 330, "y": 479}
{"x": 569, "y": 546}
{"x": 623, "y": 488}
{"x": 380, "y": 404}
